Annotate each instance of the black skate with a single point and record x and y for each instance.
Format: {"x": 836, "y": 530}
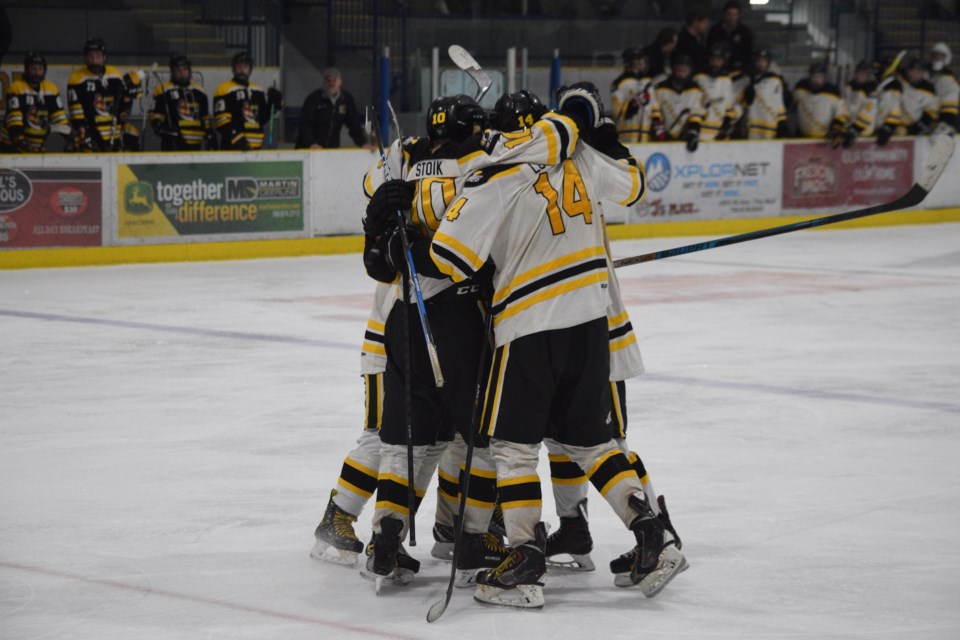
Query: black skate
{"x": 478, "y": 551}
{"x": 443, "y": 541}
{"x": 336, "y": 541}
{"x": 571, "y": 539}
{"x": 621, "y": 566}
{"x": 517, "y": 581}
{"x": 656, "y": 560}
{"x": 387, "y": 561}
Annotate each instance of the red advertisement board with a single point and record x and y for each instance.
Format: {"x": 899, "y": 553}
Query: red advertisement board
{"x": 50, "y": 208}
{"x": 816, "y": 176}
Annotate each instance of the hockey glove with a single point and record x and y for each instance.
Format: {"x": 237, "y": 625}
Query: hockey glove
{"x": 691, "y": 136}
{"x": 633, "y": 107}
{"x": 919, "y": 127}
{"x": 835, "y": 135}
{"x": 393, "y": 250}
{"x": 390, "y": 197}
{"x": 883, "y": 135}
{"x": 848, "y": 137}
{"x": 726, "y": 130}
{"x": 782, "y": 131}
{"x": 749, "y": 94}
{"x": 275, "y": 99}
{"x": 657, "y": 130}
{"x": 582, "y": 101}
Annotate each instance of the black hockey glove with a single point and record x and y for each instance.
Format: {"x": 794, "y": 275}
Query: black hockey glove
{"x": 848, "y": 137}
{"x": 633, "y": 108}
{"x": 726, "y": 129}
{"x": 918, "y": 128}
{"x": 749, "y": 95}
{"x": 883, "y": 134}
{"x": 275, "y": 99}
{"x": 691, "y": 136}
{"x": 782, "y": 131}
{"x": 582, "y": 101}
{"x": 390, "y": 197}
{"x": 835, "y": 135}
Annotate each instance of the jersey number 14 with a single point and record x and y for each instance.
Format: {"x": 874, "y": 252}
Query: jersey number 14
{"x": 573, "y": 201}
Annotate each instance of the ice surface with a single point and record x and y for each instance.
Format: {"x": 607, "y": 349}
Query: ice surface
{"x": 169, "y": 435}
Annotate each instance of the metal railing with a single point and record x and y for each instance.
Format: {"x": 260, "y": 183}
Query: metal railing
{"x": 255, "y": 26}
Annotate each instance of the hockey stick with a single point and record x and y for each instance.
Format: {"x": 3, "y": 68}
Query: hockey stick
{"x": 937, "y": 161}
{"x": 465, "y": 61}
{"x": 437, "y": 608}
{"x": 144, "y": 98}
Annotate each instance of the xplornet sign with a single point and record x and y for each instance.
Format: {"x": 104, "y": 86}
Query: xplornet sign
{"x": 210, "y": 198}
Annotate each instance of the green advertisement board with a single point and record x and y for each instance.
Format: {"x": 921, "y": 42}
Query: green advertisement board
{"x": 209, "y": 198}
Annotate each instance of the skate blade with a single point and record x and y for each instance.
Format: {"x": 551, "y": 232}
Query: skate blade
{"x": 396, "y": 578}
{"x": 442, "y": 550}
{"x": 525, "y": 596}
{"x": 326, "y": 552}
{"x": 465, "y": 578}
{"x": 669, "y": 565}
{"x": 578, "y": 563}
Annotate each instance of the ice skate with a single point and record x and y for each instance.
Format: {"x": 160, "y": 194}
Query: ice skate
{"x": 622, "y": 565}
{"x": 443, "y": 535}
{"x": 518, "y": 581}
{"x": 572, "y": 540}
{"x": 336, "y": 541}
{"x": 478, "y": 551}
{"x": 387, "y": 561}
{"x": 656, "y": 560}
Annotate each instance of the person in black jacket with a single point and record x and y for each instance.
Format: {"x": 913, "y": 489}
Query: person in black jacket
{"x": 659, "y": 51}
{"x": 736, "y": 35}
{"x": 692, "y": 39}
{"x": 325, "y": 112}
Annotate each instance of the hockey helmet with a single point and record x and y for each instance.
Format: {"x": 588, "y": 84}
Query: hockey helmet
{"x": 242, "y": 57}
{"x": 90, "y": 46}
{"x": 681, "y": 60}
{"x": 178, "y": 61}
{"x": 453, "y": 118}
{"x": 516, "y": 111}
{"x": 33, "y": 59}
{"x": 719, "y": 50}
{"x": 764, "y": 53}
{"x": 863, "y": 65}
{"x": 943, "y": 49}
{"x": 818, "y": 67}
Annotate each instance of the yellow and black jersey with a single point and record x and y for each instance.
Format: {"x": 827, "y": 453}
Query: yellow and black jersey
{"x": 97, "y": 105}
{"x": 861, "y": 103}
{"x": 720, "y": 105}
{"x": 948, "y": 93}
{"x": 635, "y": 106}
{"x": 766, "y": 99}
{"x": 819, "y": 109}
{"x": 681, "y": 104}
{"x": 30, "y": 114}
{"x": 181, "y": 116}
{"x": 919, "y": 104}
{"x": 240, "y": 112}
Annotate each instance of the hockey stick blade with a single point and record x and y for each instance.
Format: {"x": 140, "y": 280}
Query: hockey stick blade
{"x": 462, "y": 58}
{"x": 937, "y": 161}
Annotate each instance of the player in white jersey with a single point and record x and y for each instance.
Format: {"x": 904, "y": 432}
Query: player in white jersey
{"x": 945, "y": 82}
{"x": 634, "y": 98}
{"x": 820, "y": 111}
{"x": 550, "y": 372}
{"x": 681, "y": 102}
{"x": 720, "y": 107}
{"x": 860, "y": 97}
{"x": 919, "y": 106}
{"x": 766, "y": 98}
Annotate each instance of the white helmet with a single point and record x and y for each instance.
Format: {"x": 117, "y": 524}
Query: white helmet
{"x": 941, "y": 47}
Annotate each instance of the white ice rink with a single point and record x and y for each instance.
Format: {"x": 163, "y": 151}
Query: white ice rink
{"x": 169, "y": 435}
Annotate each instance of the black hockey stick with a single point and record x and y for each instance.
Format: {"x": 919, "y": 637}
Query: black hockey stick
{"x": 937, "y": 161}
{"x": 465, "y": 61}
{"x": 438, "y": 607}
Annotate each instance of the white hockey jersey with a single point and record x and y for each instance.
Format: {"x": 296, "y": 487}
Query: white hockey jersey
{"x": 948, "y": 93}
{"x": 766, "y": 106}
{"x": 918, "y": 100}
{"x": 373, "y": 353}
{"x": 719, "y": 103}
{"x": 861, "y": 106}
{"x": 818, "y": 110}
{"x": 680, "y": 104}
{"x": 630, "y": 91}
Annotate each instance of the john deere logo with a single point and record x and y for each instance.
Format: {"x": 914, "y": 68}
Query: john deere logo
{"x": 138, "y": 198}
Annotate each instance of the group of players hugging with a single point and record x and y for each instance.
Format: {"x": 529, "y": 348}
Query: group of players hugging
{"x": 100, "y": 101}
{"x": 685, "y": 103}
{"x": 504, "y": 220}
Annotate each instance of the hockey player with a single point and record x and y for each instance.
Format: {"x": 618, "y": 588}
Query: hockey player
{"x": 34, "y": 109}
{"x": 945, "y": 82}
{"x": 99, "y": 99}
{"x": 721, "y": 110}
{"x": 634, "y": 98}
{"x": 551, "y": 365}
{"x": 181, "y": 111}
{"x": 919, "y": 106}
{"x": 681, "y": 102}
{"x": 766, "y": 99}
{"x": 820, "y": 111}
{"x": 889, "y": 104}
{"x": 860, "y": 98}
{"x": 241, "y": 109}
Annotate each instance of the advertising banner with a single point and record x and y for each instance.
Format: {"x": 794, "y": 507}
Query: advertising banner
{"x": 816, "y": 176}
{"x": 162, "y": 200}
{"x": 717, "y": 181}
{"x": 47, "y": 207}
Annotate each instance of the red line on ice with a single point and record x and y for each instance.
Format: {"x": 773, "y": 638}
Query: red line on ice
{"x": 212, "y": 601}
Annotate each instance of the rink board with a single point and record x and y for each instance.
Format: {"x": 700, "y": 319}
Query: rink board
{"x": 160, "y": 207}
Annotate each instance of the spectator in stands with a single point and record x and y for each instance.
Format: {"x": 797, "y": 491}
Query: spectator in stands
{"x": 820, "y": 111}
{"x": 736, "y": 35}
{"x": 325, "y": 112}
{"x": 658, "y": 52}
{"x": 692, "y": 39}
{"x": 945, "y": 82}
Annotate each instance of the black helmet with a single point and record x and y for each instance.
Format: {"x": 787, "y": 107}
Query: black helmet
{"x": 242, "y": 56}
{"x": 864, "y": 65}
{"x": 453, "y": 118}
{"x": 94, "y": 44}
{"x": 178, "y": 60}
{"x": 631, "y": 55}
{"x": 681, "y": 59}
{"x": 818, "y": 67}
{"x": 30, "y": 59}
{"x": 763, "y": 53}
{"x": 912, "y": 64}
{"x": 719, "y": 50}
{"x": 515, "y": 111}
